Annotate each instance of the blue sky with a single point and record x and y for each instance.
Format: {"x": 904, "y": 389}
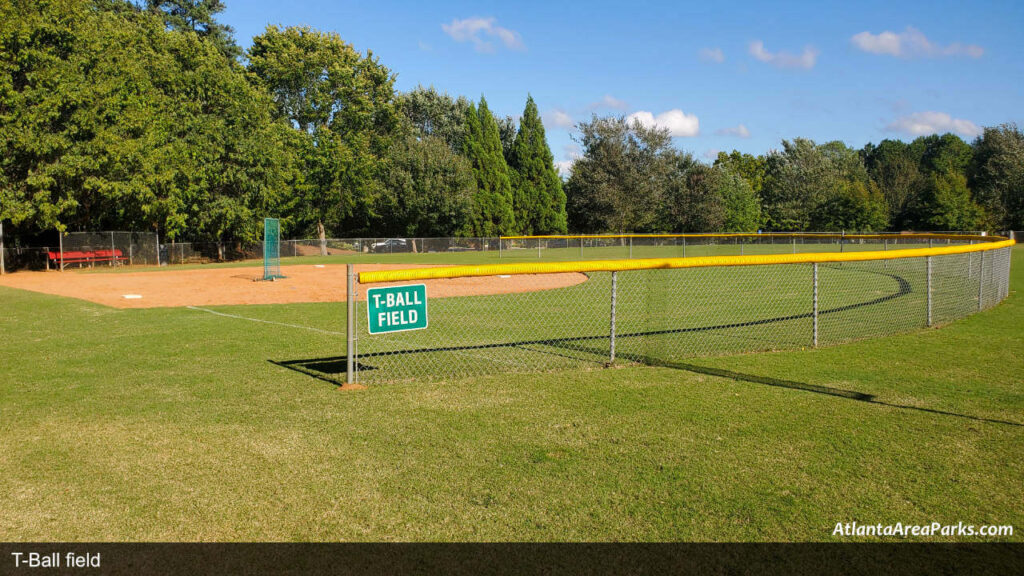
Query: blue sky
{"x": 721, "y": 75}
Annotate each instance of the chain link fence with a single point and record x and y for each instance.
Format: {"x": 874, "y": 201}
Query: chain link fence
{"x": 665, "y": 316}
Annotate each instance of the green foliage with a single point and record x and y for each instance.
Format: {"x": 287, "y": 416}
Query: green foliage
{"x": 428, "y": 190}
{"x": 619, "y": 183}
{"x": 894, "y": 169}
{"x": 538, "y": 201}
{"x": 343, "y": 104}
{"x": 431, "y": 113}
{"x": 742, "y": 206}
{"x": 751, "y": 168}
{"x": 997, "y": 175}
{"x": 482, "y": 147}
{"x": 855, "y": 205}
{"x": 112, "y": 121}
{"x": 945, "y": 204}
{"x": 198, "y": 16}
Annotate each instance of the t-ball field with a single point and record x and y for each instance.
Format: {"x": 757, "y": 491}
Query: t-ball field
{"x": 432, "y": 323}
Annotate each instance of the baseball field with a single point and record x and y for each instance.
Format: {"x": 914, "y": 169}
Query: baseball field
{"x": 176, "y": 416}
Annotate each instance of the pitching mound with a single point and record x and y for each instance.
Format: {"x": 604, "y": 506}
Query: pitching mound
{"x": 229, "y": 286}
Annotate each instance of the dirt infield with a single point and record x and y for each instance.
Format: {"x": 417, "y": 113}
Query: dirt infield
{"x": 230, "y": 286}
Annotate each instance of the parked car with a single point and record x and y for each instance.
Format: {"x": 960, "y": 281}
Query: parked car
{"x": 391, "y": 245}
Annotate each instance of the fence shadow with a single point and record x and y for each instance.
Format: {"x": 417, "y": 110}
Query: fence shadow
{"x": 815, "y": 388}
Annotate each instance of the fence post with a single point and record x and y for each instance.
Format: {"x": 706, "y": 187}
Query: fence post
{"x": 630, "y": 246}
{"x": 794, "y": 244}
{"x": 615, "y": 278}
{"x": 684, "y": 246}
{"x": 113, "y": 250}
{"x": 815, "y": 313}
{"x": 929, "y": 288}
{"x": 981, "y": 279}
{"x": 581, "y": 247}
{"x": 350, "y": 321}
{"x": 157, "y": 247}
{"x": 60, "y": 238}
{"x": 538, "y": 248}
{"x": 3, "y": 269}
{"x": 499, "y": 246}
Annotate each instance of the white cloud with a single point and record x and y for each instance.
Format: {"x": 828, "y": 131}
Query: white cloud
{"x": 571, "y": 151}
{"x": 712, "y": 55}
{"x": 911, "y": 43}
{"x": 559, "y": 118}
{"x": 739, "y": 130}
{"x": 711, "y": 153}
{"x": 424, "y": 46}
{"x": 476, "y": 29}
{"x": 609, "y": 101}
{"x": 675, "y": 121}
{"x": 565, "y": 166}
{"x": 806, "y": 59}
{"x": 925, "y": 123}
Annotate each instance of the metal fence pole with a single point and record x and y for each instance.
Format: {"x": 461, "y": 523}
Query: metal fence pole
{"x": 630, "y": 246}
{"x": 499, "y": 246}
{"x": 350, "y": 322}
{"x": 981, "y": 279}
{"x": 157, "y": 247}
{"x": 794, "y": 244}
{"x": 615, "y": 278}
{"x": 3, "y": 269}
{"x": 538, "y": 248}
{"x": 113, "y": 250}
{"x": 684, "y": 246}
{"x": 581, "y": 247}
{"x": 929, "y": 288}
{"x": 815, "y": 313}
{"x": 60, "y": 237}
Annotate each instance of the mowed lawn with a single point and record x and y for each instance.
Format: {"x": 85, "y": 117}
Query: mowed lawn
{"x": 173, "y": 424}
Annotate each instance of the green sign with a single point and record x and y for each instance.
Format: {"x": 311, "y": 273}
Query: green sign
{"x": 397, "y": 308}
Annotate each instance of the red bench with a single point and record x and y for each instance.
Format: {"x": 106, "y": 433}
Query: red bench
{"x": 91, "y": 257}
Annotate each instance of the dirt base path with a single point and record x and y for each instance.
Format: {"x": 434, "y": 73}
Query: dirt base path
{"x": 229, "y": 286}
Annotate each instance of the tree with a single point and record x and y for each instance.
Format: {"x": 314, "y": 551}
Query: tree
{"x": 855, "y": 205}
{"x": 945, "y": 204}
{"x": 482, "y": 147}
{"x": 997, "y": 175}
{"x": 538, "y": 198}
{"x": 343, "y": 105}
{"x": 894, "y": 170}
{"x": 431, "y": 113}
{"x": 751, "y": 168}
{"x": 742, "y": 206}
{"x": 112, "y": 121}
{"x": 618, "y": 183}
{"x": 796, "y": 181}
{"x": 198, "y": 16}
{"x": 428, "y": 190}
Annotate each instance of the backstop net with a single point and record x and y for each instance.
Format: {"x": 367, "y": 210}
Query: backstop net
{"x": 523, "y": 317}
{"x": 271, "y": 249}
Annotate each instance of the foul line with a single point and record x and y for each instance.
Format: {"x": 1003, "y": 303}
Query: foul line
{"x": 226, "y": 315}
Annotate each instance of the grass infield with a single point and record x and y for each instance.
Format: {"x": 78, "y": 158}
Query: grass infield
{"x": 172, "y": 424}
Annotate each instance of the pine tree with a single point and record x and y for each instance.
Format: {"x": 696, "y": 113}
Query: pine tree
{"x": 538, "y": 200}
{"x": 482, "y": 146}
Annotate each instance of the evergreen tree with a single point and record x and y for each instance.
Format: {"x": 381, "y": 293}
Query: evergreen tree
{"x": 538, "y": 201}
{"x": 493, "y": 214}
{"x": 198, "y": 16}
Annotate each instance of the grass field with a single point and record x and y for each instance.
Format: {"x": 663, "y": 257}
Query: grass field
{"x": 172, "y": 424}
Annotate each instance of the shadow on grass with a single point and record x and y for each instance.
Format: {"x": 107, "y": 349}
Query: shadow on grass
{"x": 815, "y": 388}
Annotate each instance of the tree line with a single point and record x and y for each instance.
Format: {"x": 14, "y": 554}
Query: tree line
{"x": 118, "y": 115}
{"x": 147, "y": 115}
{"x": 630, "y": 178}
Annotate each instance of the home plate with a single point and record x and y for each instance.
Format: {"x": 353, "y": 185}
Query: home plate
{"x": 505, "y": 276}
{"x": 133, "y": 296}
{"x": 318, "y": 266}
